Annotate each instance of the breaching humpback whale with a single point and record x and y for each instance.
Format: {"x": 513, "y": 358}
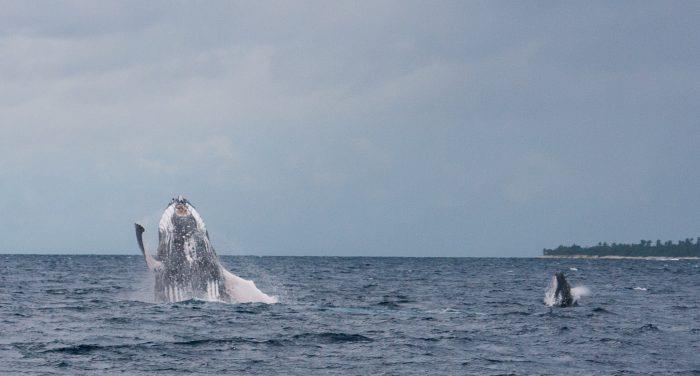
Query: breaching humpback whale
{"x": 559, "y": 292}
{"x": 186, "y": 266}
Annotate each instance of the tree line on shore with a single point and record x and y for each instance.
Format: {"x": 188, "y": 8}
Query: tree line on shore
{"x": 645, "y": 248}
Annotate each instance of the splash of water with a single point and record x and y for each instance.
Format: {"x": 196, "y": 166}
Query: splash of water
{"x": 550, "y": 298}
{"x": 579, "y": 291}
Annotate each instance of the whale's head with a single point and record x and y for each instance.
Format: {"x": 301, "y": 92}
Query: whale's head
{"x": 560, "y": 278}
{"x": 180, "y": 212}
{"x": 181, "y": 206}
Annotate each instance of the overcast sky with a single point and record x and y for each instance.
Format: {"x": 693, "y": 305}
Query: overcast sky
{"x": 340, "y": 128}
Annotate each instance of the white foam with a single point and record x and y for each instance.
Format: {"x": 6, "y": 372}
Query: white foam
{"x": 573, "y": 269}
{"x": 549, "y": 298}
{"x": 640, "y": 288}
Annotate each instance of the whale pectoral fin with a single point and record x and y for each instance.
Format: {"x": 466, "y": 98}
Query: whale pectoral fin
{"x": 152, "y": 263}
{"x": 242, "y": 290}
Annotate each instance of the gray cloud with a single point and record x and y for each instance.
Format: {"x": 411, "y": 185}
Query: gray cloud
{"x": 383, "y": 128}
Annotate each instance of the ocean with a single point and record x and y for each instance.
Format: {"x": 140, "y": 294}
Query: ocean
{"x": 76, "y": 315}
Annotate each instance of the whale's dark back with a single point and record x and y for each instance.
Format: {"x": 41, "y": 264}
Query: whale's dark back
{"x": 563, "y": 291}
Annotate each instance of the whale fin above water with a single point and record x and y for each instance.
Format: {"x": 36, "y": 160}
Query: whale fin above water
{"x": 152, "y": 263}
{"x": 242, "y": 290}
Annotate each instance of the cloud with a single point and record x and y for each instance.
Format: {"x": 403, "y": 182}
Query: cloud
{"x": 349, "y": 128}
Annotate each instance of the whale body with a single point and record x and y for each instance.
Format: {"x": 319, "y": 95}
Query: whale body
{"x": 186, "y": 265}
{"x": 559, "y": 292}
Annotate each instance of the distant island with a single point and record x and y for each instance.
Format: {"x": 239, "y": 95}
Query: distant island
{"x": 645, "y": 248}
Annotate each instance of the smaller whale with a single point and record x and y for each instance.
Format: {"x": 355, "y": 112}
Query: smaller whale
{"x": 559, "y": 292}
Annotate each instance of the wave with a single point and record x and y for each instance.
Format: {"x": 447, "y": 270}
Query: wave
{"x": 332, "y": 337}
{"x": 82, "y": 349}
{"x": 647, "y": 328}
{"x": 602, "y": 310}
{"x": 682, "y": 307}
{"x": 506, "y": 359}
{"x": 389, "y": 304}
{"x": 514, "y": 313}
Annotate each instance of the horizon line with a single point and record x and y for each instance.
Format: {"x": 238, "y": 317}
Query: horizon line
{"x": 254, "y": 255}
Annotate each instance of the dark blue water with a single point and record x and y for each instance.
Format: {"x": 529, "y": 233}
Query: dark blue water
{"x": 352, "y": 316}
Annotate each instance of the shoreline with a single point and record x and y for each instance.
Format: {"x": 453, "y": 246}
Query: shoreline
{"x": 612, "y": 257}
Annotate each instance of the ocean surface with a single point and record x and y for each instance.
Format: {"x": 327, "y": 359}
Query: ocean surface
{"x": 74, "y": 315}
